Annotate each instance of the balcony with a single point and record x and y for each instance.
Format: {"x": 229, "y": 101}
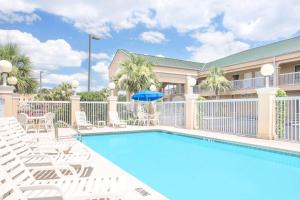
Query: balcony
{"x": 177, "y": 90}
{"x": 244, "y": 84}
{"x": 250, "y": 83}
{"x": 289, "y": 78}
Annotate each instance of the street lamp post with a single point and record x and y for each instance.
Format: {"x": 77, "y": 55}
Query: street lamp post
{"x": 91, "y": 37}
{"x": 267, "y": 70}
{"x": 5, "y": 68}
{"x": 74, "y": 85}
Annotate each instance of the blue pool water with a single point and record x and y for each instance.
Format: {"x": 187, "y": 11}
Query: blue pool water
{"x": 188, "y": 168}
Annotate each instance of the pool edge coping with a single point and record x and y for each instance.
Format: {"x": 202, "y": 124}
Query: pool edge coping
{"x": 229, "y": 139}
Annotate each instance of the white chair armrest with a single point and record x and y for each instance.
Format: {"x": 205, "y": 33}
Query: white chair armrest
{"x": 42, "y": 187}
{"x": 36, "y": 156}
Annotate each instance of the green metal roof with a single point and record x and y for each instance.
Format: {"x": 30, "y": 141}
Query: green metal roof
{"x": 168, "y": 62}
{"x": 266, "y": 51}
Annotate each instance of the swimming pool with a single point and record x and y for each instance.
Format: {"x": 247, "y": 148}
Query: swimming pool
{"x": 187, "y": 168}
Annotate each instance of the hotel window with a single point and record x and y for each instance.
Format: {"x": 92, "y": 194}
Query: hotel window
{"x": 297, "y": 74}
{"x": 235, "y": 77}
{"x": 297, "y": 68}
{"x": 236, "y": 84}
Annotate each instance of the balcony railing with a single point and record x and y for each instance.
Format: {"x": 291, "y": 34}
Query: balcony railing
{"x": 174, "y": 91}
{"x": 289, "y": 78}
{"x": 250, "y": 83}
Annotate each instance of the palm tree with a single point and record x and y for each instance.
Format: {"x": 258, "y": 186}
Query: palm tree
{"x": 22, "y": 68}
{"x": 62, "y": 92}
{"x": 135, "y": 74}
{"x": 216, "y": 81}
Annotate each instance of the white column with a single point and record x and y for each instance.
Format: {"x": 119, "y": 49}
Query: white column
{"x": 112, "y": 105}
{"x": 266, "y": 113}
{"x": 75, "y": 107}
{"x": 6, "y": 93}
{"x": 190, "y": 101}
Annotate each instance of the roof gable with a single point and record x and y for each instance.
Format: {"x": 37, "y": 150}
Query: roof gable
{"x": 168, "y": 62}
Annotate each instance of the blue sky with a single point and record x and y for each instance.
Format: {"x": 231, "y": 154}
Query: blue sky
{"x": 54, "y": 34}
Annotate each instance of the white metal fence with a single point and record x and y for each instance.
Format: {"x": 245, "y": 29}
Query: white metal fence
{"x": 234, "y": 116}
{"x": 61, "y": 109}
{"x": 171, "y": 113}
{"x": 287, "y": 118}
{"x": 126, "y": 111}
{"x": 95, "y": 111}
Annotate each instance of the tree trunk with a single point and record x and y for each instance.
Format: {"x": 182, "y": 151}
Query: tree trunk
{"x": 217, "y": 94}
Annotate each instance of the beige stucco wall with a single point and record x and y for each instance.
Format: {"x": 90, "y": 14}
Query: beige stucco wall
{"x": 288, "y": 67}
{"x": 175, "y": 75}
{"x": 115, "y": 64}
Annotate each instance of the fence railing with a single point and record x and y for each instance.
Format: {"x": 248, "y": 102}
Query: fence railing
{"x": 95, "y": 111}
{"x": 289, "y": 78}
{"x": 287, "y": 123}
{"x": 61, "y": 109}
{"x": 125, "y": 111}
{"x": 249, "y": 83}
{"x": 234, "y": 116}
{"x": 171, "y": 113}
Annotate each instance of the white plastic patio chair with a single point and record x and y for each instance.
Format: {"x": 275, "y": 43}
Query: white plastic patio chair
{"x": 115, "y": 121}
{"x": 48, "y": 122}
{"x": 81, "y": 121}
{"x": 141, "y": 118}
{"x": 72, "y": 187}
{"x": 28, "y": 124}
{"x": 154, "y": 119}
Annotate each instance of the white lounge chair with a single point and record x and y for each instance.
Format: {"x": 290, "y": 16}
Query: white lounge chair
{"x": 45, "y": 140}
{"x": 81, "y": 121}
{"x": 115, "y": 121}
{"x": 10, "y": 191}
{"x": 38, "y": 155}
{"x": 72, "y": 187}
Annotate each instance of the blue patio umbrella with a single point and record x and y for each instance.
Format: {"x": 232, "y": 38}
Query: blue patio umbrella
{"x": 147, "y": 95}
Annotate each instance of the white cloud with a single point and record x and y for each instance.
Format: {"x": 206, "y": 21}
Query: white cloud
{"x": 160, "y": 55}
{"x": 248, "y": 19}
{"x": 50, "y": 54}
{"x": 56, "y": 79}
{"x": 18, "y": 18}
{"x": 262, "y": 19}
{"x": 214, "y": 45}
{"x": 53, "y": 79}
{"x": 152, "y": 37}
{"x": 101, "y": 68}
{"x": 99, "y": 56}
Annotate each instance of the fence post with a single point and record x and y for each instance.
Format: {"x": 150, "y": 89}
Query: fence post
{"x": 6, "y": 93}
{"x": 190, "y": 111}
{"x": 266, "y": 113}
{"x": 112, "y": 105}
{"x": 15, "y": 104}
{"x": 75, "y": 107}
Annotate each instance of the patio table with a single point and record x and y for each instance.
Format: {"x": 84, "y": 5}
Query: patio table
{"x": 37, "y": 120}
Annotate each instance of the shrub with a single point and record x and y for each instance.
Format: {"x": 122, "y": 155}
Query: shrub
{"x": 280, "y": 113}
